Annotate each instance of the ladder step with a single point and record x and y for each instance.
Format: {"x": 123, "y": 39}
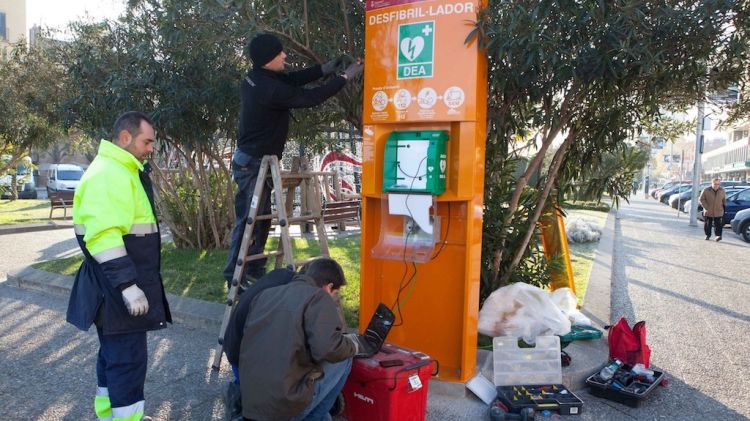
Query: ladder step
{"x": 303, "y": 218}
{"x": 263, "y": 255}
{"x": 274, "y": 218}
{"x": 266, "y": 217}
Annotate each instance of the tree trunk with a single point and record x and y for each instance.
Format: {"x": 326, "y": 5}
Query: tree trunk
{"x": 549, "y": 182}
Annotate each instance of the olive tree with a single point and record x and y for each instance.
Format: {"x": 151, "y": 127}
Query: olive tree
{"x": 582, "y": 75}
{"x": 182, "y": 62}
{"x": 30, "y": 88}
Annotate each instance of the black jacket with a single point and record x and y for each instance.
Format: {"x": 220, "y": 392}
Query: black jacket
{"x": 233, "y": 334}
{"x": 267, "y": 97}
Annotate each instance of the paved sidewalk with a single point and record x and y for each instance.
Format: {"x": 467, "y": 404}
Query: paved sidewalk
{"x": 695, "y": 297}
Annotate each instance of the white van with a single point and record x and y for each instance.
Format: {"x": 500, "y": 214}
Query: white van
{"x": 63, "y": 177}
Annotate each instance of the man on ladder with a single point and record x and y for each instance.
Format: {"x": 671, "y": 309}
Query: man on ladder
{"x": 267, "y": 95}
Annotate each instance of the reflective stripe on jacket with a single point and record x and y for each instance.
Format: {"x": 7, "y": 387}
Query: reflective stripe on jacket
{"x": 117, "y": 230}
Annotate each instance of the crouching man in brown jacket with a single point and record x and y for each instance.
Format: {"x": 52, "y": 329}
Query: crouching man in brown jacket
{"x": 714, "y": 202}
{"x": 294, "y": 355}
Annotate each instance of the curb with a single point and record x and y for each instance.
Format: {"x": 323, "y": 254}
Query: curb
{"x": 195, "y": 313}
{"x": 42, "y": 226}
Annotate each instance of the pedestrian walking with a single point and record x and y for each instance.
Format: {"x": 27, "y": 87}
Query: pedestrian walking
{"x": 118, "y": 286}
{"x": 714, "y": 202}
{"x": 267, "y": 95}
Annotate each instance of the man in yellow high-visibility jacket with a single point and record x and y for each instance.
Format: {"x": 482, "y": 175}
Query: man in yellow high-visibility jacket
{"x": 118, "y": 286}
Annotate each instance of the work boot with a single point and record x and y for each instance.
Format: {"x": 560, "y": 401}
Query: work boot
{"x": 718, "y": 239}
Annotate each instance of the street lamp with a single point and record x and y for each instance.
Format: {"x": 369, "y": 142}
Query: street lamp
{"x": 697, "y": 165}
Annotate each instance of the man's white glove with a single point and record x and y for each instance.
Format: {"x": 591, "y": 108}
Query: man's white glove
{"x": 135, "y": 300}
{"x": 353, "y": 338}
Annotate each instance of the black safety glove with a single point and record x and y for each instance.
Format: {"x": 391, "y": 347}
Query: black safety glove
{"x": 331, "y": 65}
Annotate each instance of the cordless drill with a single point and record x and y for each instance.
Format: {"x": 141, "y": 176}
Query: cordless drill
{"x": 497, "y": 414}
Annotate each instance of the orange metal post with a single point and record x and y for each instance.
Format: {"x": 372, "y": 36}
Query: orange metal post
{"x": 419, "y": 75}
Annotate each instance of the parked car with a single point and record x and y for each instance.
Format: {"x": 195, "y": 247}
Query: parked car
{"x": 678, "y": 200}
{"x": 741, "y": 224}
{"x": 24, "y": 177}
{"x": 63, "y": 177}
{"x": 735, "y": 203}
{"x": 664, "y": 195}
{"x": 666, "y": 186}
{"x": 686, "y": 196}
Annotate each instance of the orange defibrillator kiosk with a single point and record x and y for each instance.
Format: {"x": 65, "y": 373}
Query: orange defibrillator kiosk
{"x": 424, "y": 127}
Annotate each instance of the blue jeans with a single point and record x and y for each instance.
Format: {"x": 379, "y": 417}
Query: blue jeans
{"x": 326, "y": 391}
{"x": 245, "y": 173}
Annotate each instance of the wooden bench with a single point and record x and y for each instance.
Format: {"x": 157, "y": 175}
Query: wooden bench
{"x": 340, "y": 211}
{"x": 60, "y": 200}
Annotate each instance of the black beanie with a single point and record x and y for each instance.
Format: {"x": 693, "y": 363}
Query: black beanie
{"x": 263, "y": 48}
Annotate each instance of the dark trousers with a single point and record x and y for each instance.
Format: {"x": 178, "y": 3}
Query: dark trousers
{"x": 716, "y": 221}
{"x": 246, "y": 177}
{"x": 121, "y": 367}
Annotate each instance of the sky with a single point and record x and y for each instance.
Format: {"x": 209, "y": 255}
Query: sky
{"x": 58, "y": 13}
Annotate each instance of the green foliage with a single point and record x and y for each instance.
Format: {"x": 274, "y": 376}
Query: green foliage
{"x": 500, "y": 178}
{"x": 587, "y": 72}
{"x": 182, "y": 62}
{"x": 30, "y": 89}
{"x": 312, "y": 33}
{"x": 589, "y": 173}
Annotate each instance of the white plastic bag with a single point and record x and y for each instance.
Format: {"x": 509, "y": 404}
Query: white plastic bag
{"x": 523, "y": 311}
{"x": 568, "y": 304}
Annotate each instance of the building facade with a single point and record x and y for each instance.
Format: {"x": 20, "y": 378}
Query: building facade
{"x": 731, "y": 161}
{"x": 12, "y": 24}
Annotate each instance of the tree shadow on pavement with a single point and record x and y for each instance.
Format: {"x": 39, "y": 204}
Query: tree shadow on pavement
{"x": 48, "y": 366}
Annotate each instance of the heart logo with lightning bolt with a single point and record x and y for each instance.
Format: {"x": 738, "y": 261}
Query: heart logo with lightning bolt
{"x": 411, "y": 48}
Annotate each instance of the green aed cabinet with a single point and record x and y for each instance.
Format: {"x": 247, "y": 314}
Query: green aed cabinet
{"x": 415, "y": 162}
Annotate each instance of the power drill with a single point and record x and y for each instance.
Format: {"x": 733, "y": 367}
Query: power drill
{"x": 497, "y": 414}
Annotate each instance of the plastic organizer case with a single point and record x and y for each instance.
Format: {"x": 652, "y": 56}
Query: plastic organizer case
{"x": 513, "y": 365}
{"x": 624, "y": 387}
{"x": 552, "y": 397}
{"x": 531, "y": 377}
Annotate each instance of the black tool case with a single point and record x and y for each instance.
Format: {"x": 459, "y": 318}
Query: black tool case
{"x": 552, "y": 397}
{"x": 633, "y": 392}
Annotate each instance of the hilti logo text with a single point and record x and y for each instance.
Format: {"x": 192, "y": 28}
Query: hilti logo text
{"x": 364, "y": 398}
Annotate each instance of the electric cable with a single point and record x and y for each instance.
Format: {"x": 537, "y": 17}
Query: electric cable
{"x": 402, "y": 286}
{"x": 445, "y": 237}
